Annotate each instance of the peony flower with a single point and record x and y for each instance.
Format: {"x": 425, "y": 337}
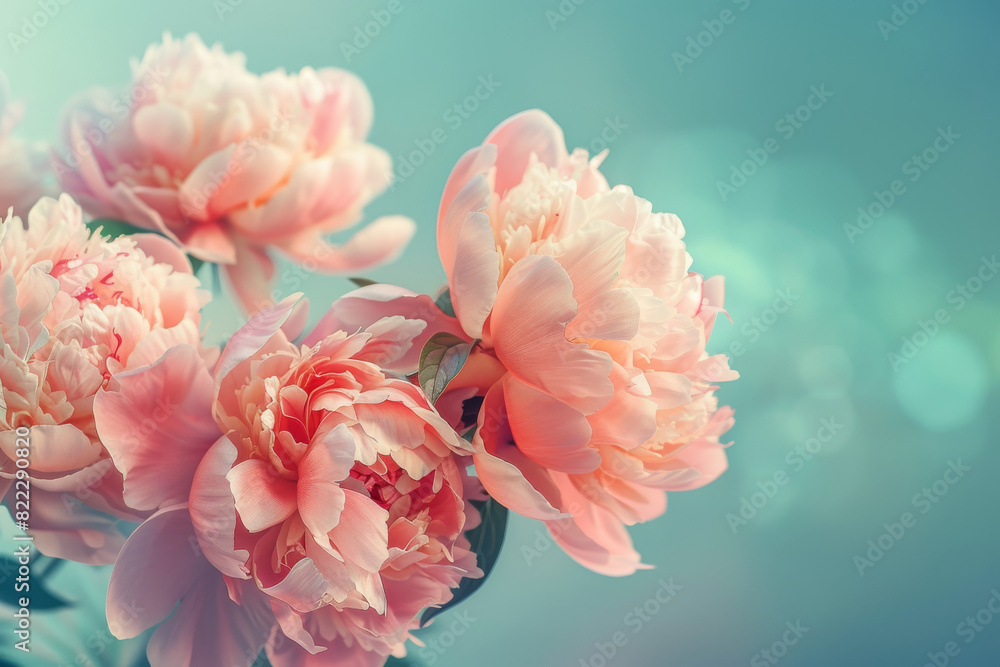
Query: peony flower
{"x": 588, "y": 380}
{"x": 24, "y": 166}
{"x": 229, "y": 164}
{"x": 77, "y": 308}
{"x": 324, "y": 499}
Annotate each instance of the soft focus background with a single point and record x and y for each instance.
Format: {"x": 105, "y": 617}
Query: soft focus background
{"x": 680, "y": 92}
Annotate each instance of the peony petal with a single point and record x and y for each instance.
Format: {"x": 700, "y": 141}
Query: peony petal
{"x": 208, "y": 628}
{"x": 163, "y": 251}
{"x": 594, "y": 537}
{"x": 474, "y": 277}
{"x": 302, "y": 587}
{"x": 362, "y": 535}
{"x": 328, "y": 460}
{"x": 474, "y": 197}
{"x": 57, "y": 448}
{"x": 116, "y": 200}
{"x": 476, "y": 162}
{"x": 263, "y": 498}
{"x": 696, "y": 465}
{"x": 287, "y": 316}
{"x": 628, "y": 420}
{"x": 503, "y": 479}
{"x": 291, "y": 624}
{"x": 519, "y": 137}
{"x": 290, "y": 654}
{"x": 156, "y": 568}
{"x": 251, "y": 276}
{"x": 379, "y": 243}
{"x": 528, "y": 326}
{"x": 592, "y": 260}
{"x": 391, "y": 340}
{"x": 157, "y": 425}
{"x": 324, "y": 195}
{"x": 360, "y": 309}
{"x": 165, "y": 129}
{"x": 549, "y": 432}
{"x": 208, "y": 242}
{"x": 392, "y": 424}
{"x": 669, "y": 390}
{"x": 713, "y": 298}
{"x": 253, "y": 173}
{"x": 213, "y": 510}
{"x": 65, "y": 528}
{"x": 349, "y": 105}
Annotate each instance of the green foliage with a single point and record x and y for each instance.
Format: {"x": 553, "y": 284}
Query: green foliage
{"x": 441, "y": 360}
{"x": 487, "y": 539}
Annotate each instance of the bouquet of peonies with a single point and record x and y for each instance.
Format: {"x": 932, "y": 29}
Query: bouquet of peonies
{"x": 319, "y": 495}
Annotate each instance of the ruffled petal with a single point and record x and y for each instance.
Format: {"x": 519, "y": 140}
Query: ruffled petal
{"x": 549, "y": 432}
{"x": 528, "y": 326}
{"x": 519, "y": 137}
{"x": 157, "y": 425}
{"x": 213, "y": 510}
{"x": 156, "y": 568}
{"x": 504, "y": 471}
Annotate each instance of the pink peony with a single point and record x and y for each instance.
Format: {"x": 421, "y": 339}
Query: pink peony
{"x": 24, "y": 166}
{"x": 590, "y": 367}
{"x": 77, "y": 308}
{"x": 228, "y": 164}
{"x": 306, "y": 498}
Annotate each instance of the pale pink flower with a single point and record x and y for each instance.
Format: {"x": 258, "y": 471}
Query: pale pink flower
{"x": 75, "y": 309}
{"x": 306, "y": 498}
{"x": 230, "y": 164}
{"x": 596, "y": 392}
{"x": 24, "y": 165}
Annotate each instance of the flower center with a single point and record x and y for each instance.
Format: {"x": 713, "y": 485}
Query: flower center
{"x": 386, "y": 488}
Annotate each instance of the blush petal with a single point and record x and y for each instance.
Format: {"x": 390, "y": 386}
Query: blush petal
{"x": 533, "y": 306}
{"x": 549, "y": 432}
{"x": 161, "y": 408}
{"x": 263, "y": 498}
{"x": 162, "y": 547}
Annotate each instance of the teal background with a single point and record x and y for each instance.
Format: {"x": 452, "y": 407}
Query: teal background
{"x": 825, "y": 358}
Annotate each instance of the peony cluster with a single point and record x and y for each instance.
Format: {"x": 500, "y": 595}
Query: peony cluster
{"x": 78, "y": 308}
{"x": 311, "y": 499}
{"x": 587, "y": 382}
{"x": 327, "y": 500}
{"x": 231, "y": 165}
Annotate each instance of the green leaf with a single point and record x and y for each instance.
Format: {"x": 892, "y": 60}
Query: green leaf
{"x": 362, "y": 282}
{"x": 486, "y": 539}
{"x": 401, "y": 662}
{"x": 261, "y": 660}
{"x": 41, "y": 598}
{"x": 196, "y": 264}
{"x": 444, "y": 303}
{"x": 442, "y": 358}
{"x": 216, "y": 280}
{"x": 115, "y": 228}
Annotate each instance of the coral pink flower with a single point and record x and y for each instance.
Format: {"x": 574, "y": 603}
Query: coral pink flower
{"x": 77, "y": 308}
{"x": 325, "y": 500}
{"x": 229, "y": 164}
{"x": 595, "y": 388}
{"x": 24, "y": 166}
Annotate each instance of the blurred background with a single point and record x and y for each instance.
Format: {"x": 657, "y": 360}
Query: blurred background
{"x": 835, "y": 161}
